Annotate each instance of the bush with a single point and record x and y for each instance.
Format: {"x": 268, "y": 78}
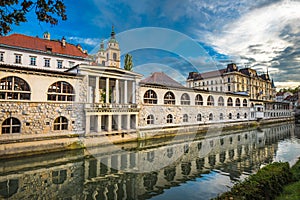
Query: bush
{"x": 267, "y": 183}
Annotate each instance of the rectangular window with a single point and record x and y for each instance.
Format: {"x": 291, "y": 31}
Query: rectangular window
{"x": 59, "y": 64}
{"x": 1, "y": 56}
{"x": 47, "y": 62}
{"x": 32, "y": 60}
{"x": 71, "y": 64}
{"x": 18, "y": 58}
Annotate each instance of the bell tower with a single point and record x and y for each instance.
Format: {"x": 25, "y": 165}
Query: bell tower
{"x": 113, "y": 51}
{"x": 101, "y": 58}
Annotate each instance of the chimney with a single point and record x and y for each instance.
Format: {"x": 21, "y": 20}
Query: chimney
{"x": 79, "y": 47}
{"x": 63, "y": 42}
{"x": 46, "y": 36}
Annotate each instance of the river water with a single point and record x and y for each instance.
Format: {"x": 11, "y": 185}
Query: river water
{"x": 195, "y": 166}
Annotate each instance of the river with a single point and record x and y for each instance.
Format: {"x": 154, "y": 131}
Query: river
{"x": 194, "y": 166}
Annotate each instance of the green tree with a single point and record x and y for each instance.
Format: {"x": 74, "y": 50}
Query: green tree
{"x": 128, "y": 62}
{"x": 13, "y": 12}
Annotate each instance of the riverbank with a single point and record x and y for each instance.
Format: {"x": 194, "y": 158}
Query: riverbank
{"x": 26, "y": 145}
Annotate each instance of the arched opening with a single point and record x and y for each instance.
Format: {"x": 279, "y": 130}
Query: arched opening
{"x": 150, "y": 119}
{"x": 198, "y": 100}
{"x": 221, "y": 101}
{"x": 61, "y": 123}
{"x": 185, "y": 118}
{"x": 210, "y": 101}
{"x": 169, "y": 119}
{"x": 245, "y": 103}
{"x": 229, "y": 102}
{"x": 169, "y": 98}
{"x": 185, "y": 99}
{"x": 11, "y": 125}
{"x": 14, "y": 88}
{"x": 237, "y": 102}
{"x": 211, "y": 117}
{"x": 199, "y": 117}
{"x": 61, "y": 91}
{"x": 150, "y": 97}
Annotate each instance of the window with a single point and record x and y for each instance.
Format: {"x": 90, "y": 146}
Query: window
{"x": 229, "y": 102}
{"x": 169, "y": 98}
{"x": 18, "y": 59}
{"x": 47, "y": 62}
{"x": 237, "y": 102}
{"x": 61, "y": 123}
{"x": 33, "y": 60}
{"x": 61, "y": 91}
{"x": 14, "y": 88}
{"x": 245, "y": 115}
{"x": 11, "y": 125}
{"x": 230, "y": 116}
{"x": 71, "y": 64}
{"x": 198, "y": 100}
{"x": 199, "y": 117}
{"x": 59, "y": 177}
{"x": 185, "y": 118}
{"x": 245, "y": 103}
{"x": 238, "y": 116}
{"x": 59, "y": 64}
{"x": 211, "y": 117}
{"x": 221, "y": 116}
{"x": 185, "y": 99}
{"x": 210, "y": 100}
{"x": 169, "y": 118}
{"x": 221, "y": 101}
{"x": 150, "y": 119}
{"x": 228, "y": 79}
{"x": 114, "y": 56}
{"x": 150, "y": 97}
{"x": 1, "y": 56}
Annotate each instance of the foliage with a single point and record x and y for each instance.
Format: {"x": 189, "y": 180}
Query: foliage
{"x": 291, "y": 90}
{"x": 267, "y": 183}
{"x": 128, "y": 62}
{"x": 13, "y": 12}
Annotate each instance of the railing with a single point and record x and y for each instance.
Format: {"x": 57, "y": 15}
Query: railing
{"x": 104, "y": 107}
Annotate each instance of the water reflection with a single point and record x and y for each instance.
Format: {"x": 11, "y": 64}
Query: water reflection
{"x": 220, "y": 160}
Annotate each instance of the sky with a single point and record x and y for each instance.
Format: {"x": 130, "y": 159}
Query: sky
{"x": 261, "y": 34}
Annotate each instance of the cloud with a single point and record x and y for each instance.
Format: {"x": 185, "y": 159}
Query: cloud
{"x": 86, "y": 41}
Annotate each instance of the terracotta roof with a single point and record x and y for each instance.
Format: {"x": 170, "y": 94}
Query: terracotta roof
{"x": 200, "y": 76}
{"x": 35, "y": 43}
{"x": 160, "y": 78}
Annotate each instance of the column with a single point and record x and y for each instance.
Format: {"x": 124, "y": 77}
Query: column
{"x": 133, "y": 92}
{"x": 98, "y": 127}
{"x": 109, "y": 124}
{"x": 128, "y": 122}
{"x": 125, "y": 92}
{"x": 119, "y": 122}
{"x": 97, "y": 94}
{"x": 136, "y": 121}
{"x": 107, "y": 91}
{"x": 117, "y": 92}
{"x": 87, "y": 124}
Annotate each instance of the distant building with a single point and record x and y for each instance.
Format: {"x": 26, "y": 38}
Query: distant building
{"x": 234, "y": 80}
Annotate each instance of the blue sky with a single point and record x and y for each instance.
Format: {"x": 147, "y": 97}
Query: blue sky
{"x": 259, "y": 34}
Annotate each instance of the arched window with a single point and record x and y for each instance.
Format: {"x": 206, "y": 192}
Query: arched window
{"x": 14, "y": 88}
{"x": 150, "y": 119}
{"x": 114, "y": 56}
{"x": 185, "y": 118}
{"x": 211, "y": 117}
{"x": 198, "y": 100}
{"x": 150, "y": 97}
{"x": 199, "y": 117}
{"x": 238, "y": 116}
{"x": 61, "y": 91}
{"x": 245, "y": 115}
{"x": 221, "y": 116}
{"x": 237, "y": 102}
{"x": 252, "y": 105}
{"x": 230, "y": 116}
{"x": 185, "y": 99}
{"x": 245, "y": 103}
{"x": 210, "y": 101}
{"x": 169, "y": 118}
{"x": 11, "y": 125}
{"x": 229, "y": 102}
{"x": 59, "y": 176}
{"x": 221, "y": 101}
{"x": 169, "y": 98}
{"x": 61, "y": 123}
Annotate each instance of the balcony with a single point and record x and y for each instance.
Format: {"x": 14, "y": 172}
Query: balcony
{"x": 102, "y": 107}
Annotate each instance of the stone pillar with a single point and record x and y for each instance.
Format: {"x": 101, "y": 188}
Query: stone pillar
{"x": 117, "y": 92}
{"x": 87, "y": 124}
{"x": 98, "y": 127}
{"x": 109, "y": 124}
{"x": 125, "y": 92}
{"x": 136, "y": 121}
{"x": 119, "y": 122}
{"x": 107, "y": 91}
{"x": 128, "y": 122}
{"x": 133, "y": 92}
{"x": 97, "y": 94}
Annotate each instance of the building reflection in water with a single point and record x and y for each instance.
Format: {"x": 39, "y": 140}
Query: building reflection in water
{"x": 110, "y": 175}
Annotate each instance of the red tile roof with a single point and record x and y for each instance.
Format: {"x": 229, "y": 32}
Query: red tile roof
{"x": 35, "y": 43}
{"x": 160, "y": 78}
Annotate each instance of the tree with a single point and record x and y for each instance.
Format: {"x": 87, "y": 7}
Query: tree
{"x": 13, "y": 12}
{"x": 128, "y": 62}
